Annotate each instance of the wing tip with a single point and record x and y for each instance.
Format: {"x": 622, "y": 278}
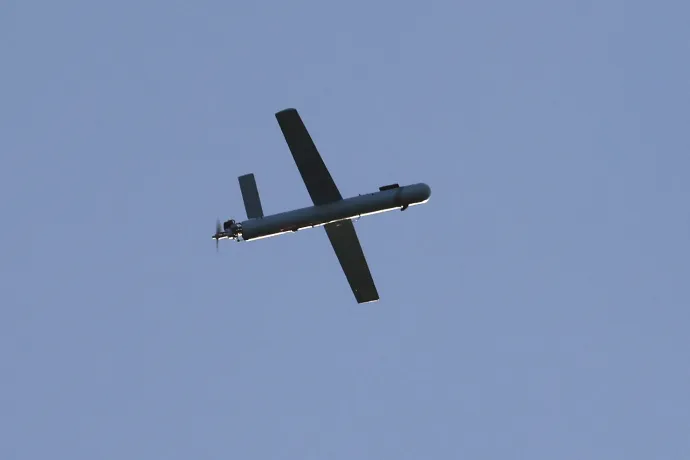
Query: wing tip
{"x": 286, "y": 111}
{"x": 370, "y": 297}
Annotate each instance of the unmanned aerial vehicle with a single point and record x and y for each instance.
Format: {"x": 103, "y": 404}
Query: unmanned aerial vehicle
{"x": 330, "y": 209}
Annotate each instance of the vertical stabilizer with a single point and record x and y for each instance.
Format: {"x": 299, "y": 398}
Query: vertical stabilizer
{"x": 250, "y": 195}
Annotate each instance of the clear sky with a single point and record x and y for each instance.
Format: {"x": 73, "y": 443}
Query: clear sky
{"x": 536, "y": 307}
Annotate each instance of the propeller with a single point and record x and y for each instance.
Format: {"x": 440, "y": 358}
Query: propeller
{"x": 218, "y": 229}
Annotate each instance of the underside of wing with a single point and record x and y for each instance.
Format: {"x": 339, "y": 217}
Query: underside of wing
{"x": 345, "y": 242}
{"x": 311, "y": 167}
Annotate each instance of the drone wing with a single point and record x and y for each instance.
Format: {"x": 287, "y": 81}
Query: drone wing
{"x": 343, "y": 238}
{"x": 311, "y": 167}
{"x": 323, "y": 190}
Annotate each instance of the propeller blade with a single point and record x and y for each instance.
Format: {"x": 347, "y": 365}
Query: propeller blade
{"x": 218, "y": 230}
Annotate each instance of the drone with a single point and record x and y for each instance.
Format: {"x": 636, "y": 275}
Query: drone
{"x": 330, "y": 210}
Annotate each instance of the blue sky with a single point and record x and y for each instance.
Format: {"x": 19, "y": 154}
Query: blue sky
{"x": 536, "y": 307}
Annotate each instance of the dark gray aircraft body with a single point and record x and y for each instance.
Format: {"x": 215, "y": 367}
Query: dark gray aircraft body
{"x": 330, "y": 210}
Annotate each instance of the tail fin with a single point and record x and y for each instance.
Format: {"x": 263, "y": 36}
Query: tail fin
{"x": 250, "y": 195}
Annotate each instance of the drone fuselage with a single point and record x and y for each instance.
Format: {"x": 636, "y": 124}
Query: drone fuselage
{"x": 316, "y": 216}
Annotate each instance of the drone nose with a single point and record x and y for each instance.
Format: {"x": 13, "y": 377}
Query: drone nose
{"x": 417, "y": 193}
{"x": 425, "y": 191}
